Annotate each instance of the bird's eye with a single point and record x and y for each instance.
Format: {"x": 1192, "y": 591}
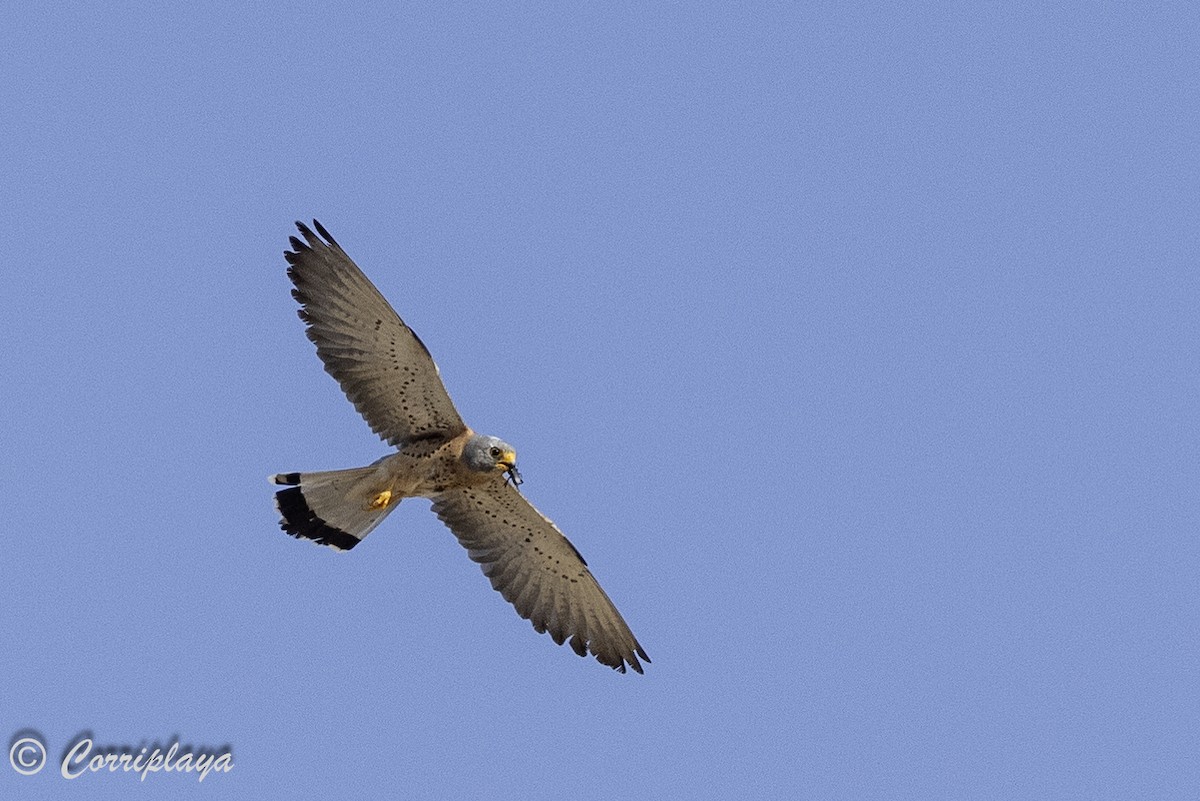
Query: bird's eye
{"x": 496, "y": 453}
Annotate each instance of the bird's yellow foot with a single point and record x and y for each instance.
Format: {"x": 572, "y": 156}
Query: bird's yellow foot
{"x": 382, "y": 500}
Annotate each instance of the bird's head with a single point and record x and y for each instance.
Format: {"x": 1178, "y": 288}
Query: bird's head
{"x": 485, "y": 454}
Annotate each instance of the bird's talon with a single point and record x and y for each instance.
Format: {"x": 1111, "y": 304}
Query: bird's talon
{"x": 382, "y": 500}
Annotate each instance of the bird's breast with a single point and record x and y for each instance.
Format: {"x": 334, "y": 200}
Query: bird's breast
{"x": 423, "y": 471}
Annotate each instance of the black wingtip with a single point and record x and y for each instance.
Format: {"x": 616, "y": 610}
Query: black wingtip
{"x": 322, "y": 237}
{"x": 633, "y": 663}
{"x": 301, "y": 522}
{"x": 296, "y": 254}
{"x": 630, "y": 660}
{"x": 619, "y": 663}
{"x": 325, "y": 234}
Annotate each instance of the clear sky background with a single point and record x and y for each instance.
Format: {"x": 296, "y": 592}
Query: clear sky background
{"x": 855, "y": 346}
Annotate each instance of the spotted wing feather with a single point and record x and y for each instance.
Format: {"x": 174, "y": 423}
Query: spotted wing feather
{"x": 380, "y": 363}
{"x": 538, "y": 571}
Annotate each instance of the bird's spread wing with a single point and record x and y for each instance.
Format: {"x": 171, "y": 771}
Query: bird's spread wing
{"x": 383, "y": 367}
{"x": 538, "y": 571}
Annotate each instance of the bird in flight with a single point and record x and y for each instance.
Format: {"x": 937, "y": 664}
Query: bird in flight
{"x": 387, "y": 373}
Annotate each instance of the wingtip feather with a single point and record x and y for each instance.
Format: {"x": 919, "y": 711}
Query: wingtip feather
{"x": 325, "y": 234}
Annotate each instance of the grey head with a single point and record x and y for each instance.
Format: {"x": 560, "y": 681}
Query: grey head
{"x": 485, "y": 454}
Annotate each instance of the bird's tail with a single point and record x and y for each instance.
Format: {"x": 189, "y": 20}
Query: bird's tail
{"x": 335, "y": 507}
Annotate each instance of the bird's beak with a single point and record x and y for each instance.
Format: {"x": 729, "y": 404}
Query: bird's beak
{"x": 508, "y": 460}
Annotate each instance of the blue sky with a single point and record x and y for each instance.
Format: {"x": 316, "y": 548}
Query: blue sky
{"x": 853, "y": 345}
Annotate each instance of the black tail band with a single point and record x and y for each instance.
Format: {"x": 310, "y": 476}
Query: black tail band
{"x": 301, "y": 522}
